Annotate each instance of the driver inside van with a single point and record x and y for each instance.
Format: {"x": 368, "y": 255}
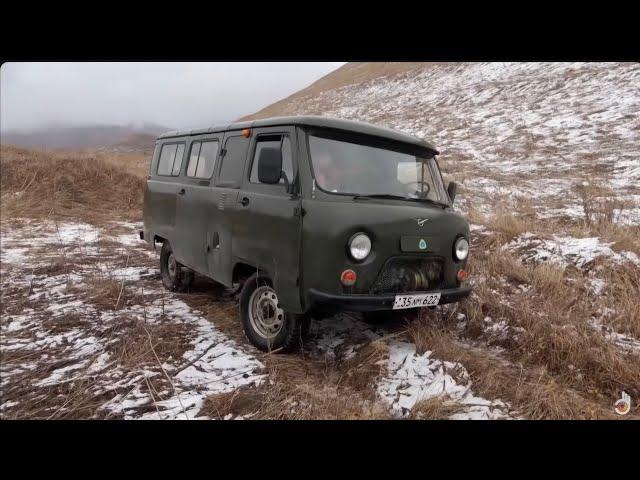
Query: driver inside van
{"x": 327, "y": 172}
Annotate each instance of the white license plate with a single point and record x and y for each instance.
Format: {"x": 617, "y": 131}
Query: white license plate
{"x": 415, "y": 301}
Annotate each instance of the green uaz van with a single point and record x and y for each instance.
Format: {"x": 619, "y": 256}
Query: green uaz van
{"x": 306, "y": 216}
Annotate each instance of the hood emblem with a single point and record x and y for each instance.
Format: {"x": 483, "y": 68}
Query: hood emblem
{"x": 421, "y": 221}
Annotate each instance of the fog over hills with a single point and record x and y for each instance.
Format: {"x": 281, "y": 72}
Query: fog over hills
{"x": 135, "y": 137}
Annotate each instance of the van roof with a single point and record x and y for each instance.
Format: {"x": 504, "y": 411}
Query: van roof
{"x": 313, "y": 121}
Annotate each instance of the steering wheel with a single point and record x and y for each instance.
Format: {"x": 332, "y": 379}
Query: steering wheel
{"x": 424, "y": 186}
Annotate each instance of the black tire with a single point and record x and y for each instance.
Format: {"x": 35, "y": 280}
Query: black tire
{"x": 176, "y": 277}
{"x": 292, "y": 329}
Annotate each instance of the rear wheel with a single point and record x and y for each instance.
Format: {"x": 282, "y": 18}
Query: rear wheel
{"x": 265, "y": 323}
{"x": 175, "y": 276}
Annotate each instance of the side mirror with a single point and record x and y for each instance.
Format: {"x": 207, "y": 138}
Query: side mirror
{"x": 270, "y": 165}
{"x": 451, "y": 190}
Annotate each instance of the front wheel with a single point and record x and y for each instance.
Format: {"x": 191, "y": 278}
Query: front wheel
{"x": 265, "y": 323}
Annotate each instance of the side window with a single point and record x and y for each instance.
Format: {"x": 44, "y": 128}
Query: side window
{"x": 156, "y": 151}
{"x": 193, "y": 159}
{"x": 167, "y": 156}
{"x": 202, "y": 160}
{"x": 287, "y": 159}
{"x": 273, "y": 141}
{"x": 233, "y": 162}
{"x": 177, "y": 163}
{"x": 207, "y": 160}
{"x": 170, "y": 160}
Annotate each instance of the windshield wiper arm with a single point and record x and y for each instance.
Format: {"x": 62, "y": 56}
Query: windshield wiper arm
{"x": 383, "y": 195}
{"x": 400, "y": 197}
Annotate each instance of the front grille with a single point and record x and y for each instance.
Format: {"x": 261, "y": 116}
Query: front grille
{"x": 409, "y": 274}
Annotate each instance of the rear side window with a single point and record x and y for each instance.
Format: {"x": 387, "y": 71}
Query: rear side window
{"x": 170, "y": 160}
{"x": 233, "y": 162}
{"x": 273, "y": 141}
{"x": 202, "y": 160}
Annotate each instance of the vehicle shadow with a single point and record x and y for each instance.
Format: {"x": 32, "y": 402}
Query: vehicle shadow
{"x": 332, "y": 338}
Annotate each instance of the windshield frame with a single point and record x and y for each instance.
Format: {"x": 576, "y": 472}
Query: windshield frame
{"x": 376, "y": 142}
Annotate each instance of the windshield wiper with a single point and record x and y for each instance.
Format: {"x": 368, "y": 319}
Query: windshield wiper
{"x": 399, "y": 197}
{"x": 382, "y": 195}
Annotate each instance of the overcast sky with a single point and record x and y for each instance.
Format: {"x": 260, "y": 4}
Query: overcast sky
{"x": 175, "y": 95}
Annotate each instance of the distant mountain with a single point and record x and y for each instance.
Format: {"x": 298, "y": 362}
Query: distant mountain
{"x": 131, "y": 137}
{"x": 136, "y": 143}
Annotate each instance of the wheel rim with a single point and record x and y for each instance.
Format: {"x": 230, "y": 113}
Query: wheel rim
{"x": 265, "y": 315}
{"x": 172, "y": 266}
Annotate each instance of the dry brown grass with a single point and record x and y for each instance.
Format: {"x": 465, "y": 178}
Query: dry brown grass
{"x": 363, "y": 370}
{"x": 136, "y": 347}
{"x": 434, "y": 408}
{"x": 531, "y": 391}
{"x": 64, "y": 401}
{"x": 566, "y": 368}
{"x": 283, "y": 399}
{"x": 623, "y": 295}
{"x": 503, "y": 221}
{"x": 109, "y": 293}
{"x": 600, "y": 204}
{"x": 45, "y": 184}
{"x": 132, "y": 163}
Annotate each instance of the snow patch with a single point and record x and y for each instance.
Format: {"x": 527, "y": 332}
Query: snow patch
{"x": 414, "y": 377}
{"x": 565, "y": 250}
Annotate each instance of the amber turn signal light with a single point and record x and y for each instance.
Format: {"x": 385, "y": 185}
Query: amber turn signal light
{"x": 348, "y": 278}
{"x": 462, "y": 275}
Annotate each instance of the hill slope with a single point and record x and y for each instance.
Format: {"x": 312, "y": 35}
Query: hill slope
{"x": 526, "y": 131}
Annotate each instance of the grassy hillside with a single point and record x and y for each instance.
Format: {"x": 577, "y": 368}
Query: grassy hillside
{"x": 96, "y": 186}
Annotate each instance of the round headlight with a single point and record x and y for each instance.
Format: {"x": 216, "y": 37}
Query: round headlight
{"x": 360, "y": 246}
{"x": 461, "y": 248}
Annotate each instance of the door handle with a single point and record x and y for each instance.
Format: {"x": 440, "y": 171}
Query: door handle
{"x": 182, "y": 191}
{"x": 245, "y": 202}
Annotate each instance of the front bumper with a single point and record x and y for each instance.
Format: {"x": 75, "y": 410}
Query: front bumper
{"x": 361, "y": 303}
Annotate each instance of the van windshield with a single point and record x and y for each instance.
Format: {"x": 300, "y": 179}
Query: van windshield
{"x": 363, "y": 170}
